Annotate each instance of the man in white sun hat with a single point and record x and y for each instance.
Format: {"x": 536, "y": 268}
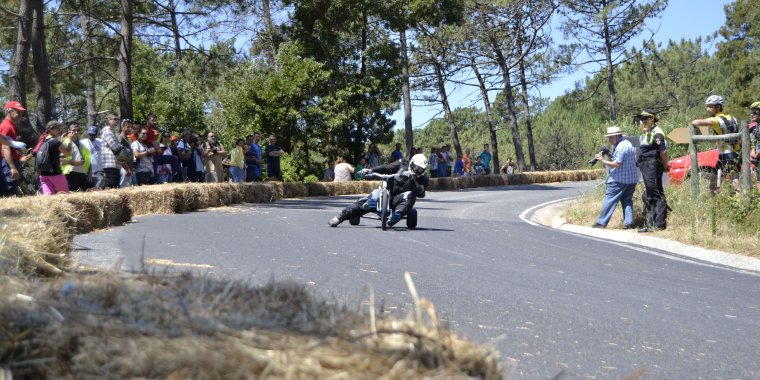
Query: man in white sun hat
{"x": 621, "y": 180}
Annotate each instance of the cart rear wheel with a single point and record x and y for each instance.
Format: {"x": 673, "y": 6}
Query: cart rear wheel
{"x": 411, "y": 219}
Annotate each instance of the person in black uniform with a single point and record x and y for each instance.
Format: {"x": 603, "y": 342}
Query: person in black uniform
{"x": 408, "y": 184}
{"x": 653, "y": 159}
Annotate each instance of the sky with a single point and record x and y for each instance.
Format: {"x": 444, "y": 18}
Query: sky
{"x": 682, "y": 19}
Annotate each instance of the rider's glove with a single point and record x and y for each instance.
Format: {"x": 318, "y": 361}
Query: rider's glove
{"x": 365, "y": 171}
{"x": 16, "y": 144}
{"x": 407, "y": 174}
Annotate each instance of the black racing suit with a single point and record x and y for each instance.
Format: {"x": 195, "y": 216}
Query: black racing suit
{"x": 404, "y": 191}
{"x": 651, "y": 167}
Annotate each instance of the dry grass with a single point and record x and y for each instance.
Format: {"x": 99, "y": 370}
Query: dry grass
{"x": 697, "y": 224}
{"x": 149, "y": 326}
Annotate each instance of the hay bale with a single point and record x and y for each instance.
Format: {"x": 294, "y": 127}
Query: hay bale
{"x": 319, "y": 189}
{"x": 191, "y": 196}
{"x": 258, "y": 192}
{"x": 154, "y": 199}
{"x": 294, "y": 189}
{"x": 85, "y": 212}
{"x": 350, "y": 188}
{"x": 149, "y": 326}
{"x": 34, "y": 237}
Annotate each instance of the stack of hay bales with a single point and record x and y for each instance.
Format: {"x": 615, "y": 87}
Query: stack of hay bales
{"x": 36, "y": 232}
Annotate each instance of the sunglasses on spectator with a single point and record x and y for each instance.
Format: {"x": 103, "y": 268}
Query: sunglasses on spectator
{"x": 756, "y": 112}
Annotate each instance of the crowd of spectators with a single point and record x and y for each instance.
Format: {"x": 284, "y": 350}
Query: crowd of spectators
{"x": 123, "y": 153}
{"x": 442, "y": 162}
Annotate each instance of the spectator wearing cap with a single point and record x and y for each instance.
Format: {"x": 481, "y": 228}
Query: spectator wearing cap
{"x": 11, "y": 157}
{"x": 76, "y": 165}
{"x": 95, "y": 146}
{"x": 111, "y": 148}
{"x": 52, "y": 179}
{"x": 652, "y": 161}
{"x": 621, "y": 180}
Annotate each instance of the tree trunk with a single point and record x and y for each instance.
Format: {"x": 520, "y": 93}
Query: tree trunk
{"x": 610, "y": 72}
{"x": 42, "y": 85}
{"x": 526, "y": 105}
{"x": 446, "y": 107}
{"x": 20, "y": 61}
{"x": 504, "y": 68}
{"x": 358, "y": 143}
{"x": 125, "y": 60}
{"x": 489, "y": 115}
{"x": 516, "y": 140}
{"x": 89, "y": 72}
{"x": 175, "y": 30}
{"x": 19, "y": 64}
{"x": 271, "y": 50}
{"x": 406, "y": 93}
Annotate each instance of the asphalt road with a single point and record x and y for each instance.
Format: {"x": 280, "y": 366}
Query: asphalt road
{"x": 549, "y": 301}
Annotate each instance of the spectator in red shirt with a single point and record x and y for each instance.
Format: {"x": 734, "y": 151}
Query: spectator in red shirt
{"x": 11, "y": 157}
{"x": 152, "y": 141}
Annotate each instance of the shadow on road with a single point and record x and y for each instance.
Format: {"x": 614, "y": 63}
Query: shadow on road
{"x": 515, "y": 187}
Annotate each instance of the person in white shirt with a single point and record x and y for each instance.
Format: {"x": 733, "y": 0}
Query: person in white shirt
{"x": 144, "y": 158}
{"x": 343, "y": 170}
{"x": 95, "y": 146}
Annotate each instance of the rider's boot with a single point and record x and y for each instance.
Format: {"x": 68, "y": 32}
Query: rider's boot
{"x": 395, "y": 217}
{"x": 335, "y": 221}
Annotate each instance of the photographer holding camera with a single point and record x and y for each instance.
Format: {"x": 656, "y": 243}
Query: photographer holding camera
{"x": 214, "y": 153}
{"x": 621, "y": 180}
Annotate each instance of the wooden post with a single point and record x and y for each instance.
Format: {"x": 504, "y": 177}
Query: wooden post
{"x": 746, "y": 169}
{"x": 694, "y": 165}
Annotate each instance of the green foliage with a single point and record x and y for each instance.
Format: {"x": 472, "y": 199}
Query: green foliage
{"x": 739, "y": 50}
{"x": 310, "y": 178}
{"x": 731, "y": 207}
{"x": 280, "y": 103}
{"x": 177, "y": 96}
{"x": 291, "y": 170}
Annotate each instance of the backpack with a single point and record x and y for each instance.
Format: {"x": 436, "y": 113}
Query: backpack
{"x": 42, "y": 158}
{"x": 729, "y": 126}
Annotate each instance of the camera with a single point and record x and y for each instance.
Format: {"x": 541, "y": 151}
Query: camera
{"x": 214, "y": 150}
{"x": 604, "y": 151}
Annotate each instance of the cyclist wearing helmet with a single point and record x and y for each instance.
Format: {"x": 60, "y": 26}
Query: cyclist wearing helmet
{"x": 721, "y": 124}
{"x": 754, "y": 132}
{"x": 653, "y": 159}
{"x": 408, "y": 184}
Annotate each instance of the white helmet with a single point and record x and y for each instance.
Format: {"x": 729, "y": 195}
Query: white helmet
{"x": 418, "y": 164}
{"x": 714, "y": 99}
